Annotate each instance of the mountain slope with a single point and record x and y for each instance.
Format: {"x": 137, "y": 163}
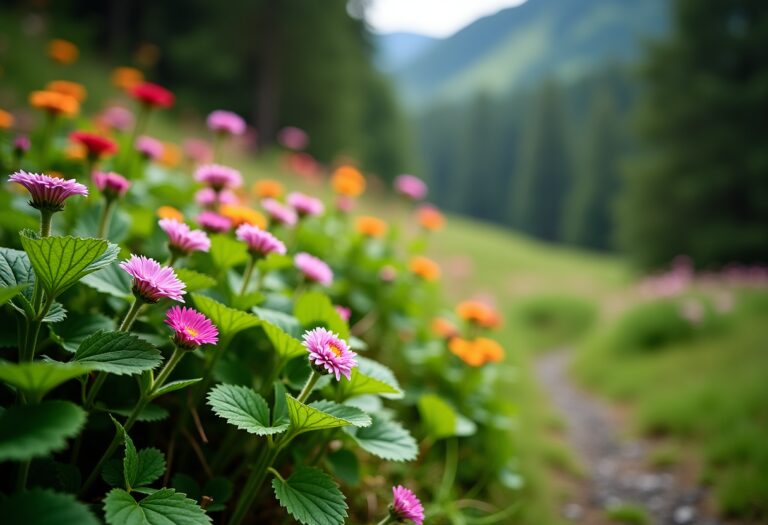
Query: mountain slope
{"x": 396, "y": 50}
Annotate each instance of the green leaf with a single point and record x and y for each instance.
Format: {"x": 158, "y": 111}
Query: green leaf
{"x": 112, "y": 280}
{"x": 227, "y": 252}
{"x": 305, "y": 418}
{"x": 194, "y": 280}
{"x": 164, "y": 507}
{"x": 316, "y": 309}
{"x": 386, "y": 439}
{"x": 130, "y": 460}
{"x": 118, "y": 353}
{"x": 228, "y": 320}
{"x": 151, "y": 465}
{"x": 148, "y": 413}
{"x": 44, "y": 507}
{"x": 29, "y": 431}
{"x": 39, "y": 377}
{"x": 312, "y": 497}
{"x": 439, "y": 418}
{"x": 15, "y": 268}
{"x": 370, "y": 377}
{"x": 286, "y": 346}
{"x": 77, "y": 328}
{"x": 287, "y": 323}
{"x": 244, "y": 408}
{"x": 6, "y": 294}
{"x": 274, "y": 261}
{"x": 56, "y": 313}
{"x": 247, "y": 301}
{"x": 353, "y": 415}
{"x": 345, "y": 466}
{"x": 175, "y": 385}
{"x": 60, "y": 262}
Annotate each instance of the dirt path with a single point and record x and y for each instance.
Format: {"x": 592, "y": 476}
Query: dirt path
{"x": 617, "y": 470}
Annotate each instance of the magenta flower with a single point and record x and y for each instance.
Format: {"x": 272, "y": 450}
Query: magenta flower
{"x": 191, "y": 328}
{"x": 313, "y": 268}
{"x": 198, "y": 150}
{"x": 110, "y": 184}
{"x": 328, "y": 353}
{"x": 260, "y": 243}
{"x": 412, "y": 187}
{"x": 388, "y": 273}
{"x": 345, "y": 204}
{"x": 213, "y": 222}
{"x": 406, "y": 506}
{"x": 219, "y": 177}
{"x": 118, "y": 118}
{"x": 48, "y": 193}
{"x": 208, "y": 198}
{"x": 21, "y": 144}
{"x": 304, "y": 204}
{"x": 149, "y": 147}
{"x": 279, "y": 213}
{"x": 343, "y": 311}
{"x": 227, "y": 122}
{"x": 152, "y": 282}
{"x": 183, "y": 240}
{"x": 293, "y": 138}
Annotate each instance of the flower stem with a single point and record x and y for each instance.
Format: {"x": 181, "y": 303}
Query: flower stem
{"x": 131, "y": 316}
{"x": 178, "y": 353}
{"x": 308, "y": 386}
{"x": 106, "y": 216}
{"x": 46, "y": 217}
{"x": 253, "y": 484}
{"x": 247, "y": 275}
{"x": 388, "y": 519}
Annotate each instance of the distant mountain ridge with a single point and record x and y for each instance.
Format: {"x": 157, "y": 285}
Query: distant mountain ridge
{"x": 395, "y": 50}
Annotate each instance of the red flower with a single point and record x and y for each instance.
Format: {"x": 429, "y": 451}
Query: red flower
{"x": 153, "y": 95}
{"x": 96, "y": 145}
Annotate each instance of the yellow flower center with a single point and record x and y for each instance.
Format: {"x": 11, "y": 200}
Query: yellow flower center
{"x": 191, "y": 331}
{"x": 335, "y": 350}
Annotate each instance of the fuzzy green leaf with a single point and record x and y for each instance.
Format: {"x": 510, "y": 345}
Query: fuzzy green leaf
{"x": 78, "y": 328}
{"x": 118, "y": 353}
{"x": 6, "y": 294}
{"x": 227, "y": 252}
{"x": 305, "y": 418}
{"x": 386, "y": 439}
{"x": 353, "y": 415}
{"x": 29, "y": 431}
{"x": 164, "y": 507}
{"x": 45, "y": 507}
{"x": 312, "y": 497}
{"x": 228, "y": 320}
{"x": 37, "y": 378}
{"x": 175, "y": 385}
{"x": 316, "y": 309}
{"x": 439, "y": 418}
{"x": 370, "y": 377}
{"x": 194, "y": 280}
{"x": 244, "y": 408}
{"x": 287, "y": 323}
{"x": 112, "y": 280}
{"x": 286, "y": 346}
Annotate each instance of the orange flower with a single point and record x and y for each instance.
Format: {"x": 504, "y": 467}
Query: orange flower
{"x": 76, "y": 151}
{"x": 348, "y": 181}
{"x": 6, "y": 119}
{"x": 243, "y": 215}
{"x": 268, "y": 189}
{"x": 67, "y": 87}
{"x": 478, "y": 313}
{"x": 442, "y": 327}
{"x": 476, "y": 352}
{"x": 62, "y": 51}
{"x": 491, "y": 350}
{"x": 127, "y": 77}
{"x": 169, "y": 212}
{"x": 55, "y": 103}
{"x": 425, "y": 268}
{"x": 430, "y": 218}
{"x": 171, "y": 156}
{"x": 371, "y": 226}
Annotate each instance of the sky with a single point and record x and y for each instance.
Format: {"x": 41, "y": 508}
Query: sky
{"x": 438, "y": 18}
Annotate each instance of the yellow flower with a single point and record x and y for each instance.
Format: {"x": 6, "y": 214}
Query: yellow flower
{"x": 371, "y": 226}
{"x": 6, "y": 119}
{"x": 62, "y": 51}
{"x": 243, "y": 215}
{"x": 127, "y": 77}
{"x": 54, "y": 102}
{"x": 67, "y": 87}
{"x": 425, "y": 268}
{"x": 348, "y": 181}
{"x": 169, "y": 212}
{"x": 267, "y": 189}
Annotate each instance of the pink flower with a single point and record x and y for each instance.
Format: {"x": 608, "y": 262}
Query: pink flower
{"x": 388, "y": 273}
{"x": 207, "y": 197}
{"x": 260, "y": 243}
{"x": 183, "y": 240}
{"x": 227, "y": 122}
{"x": 110, "y": 184}
{"x": 304, "y": 204}
{"x": 152, "y": 282}
{"x": 406, "y": 506}
{"x": 345, "y": 204}
{"x": 328, "y": 353}
{"x": 48, "y": 193}
{"x": 21, "y": 144}
{"x": 117, "y": 118}
{"x": 219, "y": 177}
{"x": 293, "y": 138}
{"x": 198, "y": 150}
{"x": 279, "y": 213}
{"x": 343, "y": 311}
{"x": 149, "y": 147}
{"x": 313, "y": 268}
{"x": 412, "y": 187}
{"x": 213, "y": 222}
{"x": 191, "y": 328}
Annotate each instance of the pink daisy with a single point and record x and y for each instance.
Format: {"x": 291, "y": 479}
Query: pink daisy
{"x": 328, "y": 353}
{"x": 406, "y": 506}
{"x": 21, "y": 144}
{"x": 213, "y": 222}
{"x": 343, "y": 311}
{"x": 313, "y": 268}
{"x": 227, "y": 122}
{"x": 260, "y": 243}
{"x": 191, "y": 328}
{"x": 110, "y": 184}
{"x": 219, "y": 177}
{"x": 117, "y": 118}
{"x": 304, "y": 204}
{"x": 48, "y": 193}
{"x": 207, "y": 197}
{"x": 293, "y": 138}
{"x": 183, "y": 240}
{"x": 279, "y": 213}
{"x": 411, "y": 186}
{"x": 152, "y": 282}
{"x": 149, "y": 147}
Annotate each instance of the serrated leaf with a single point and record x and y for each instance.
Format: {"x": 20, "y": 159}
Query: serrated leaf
{"x": 45, "y": 507}
{"x": 247, "y": 301}
{"x": 316, "y": 309}
{"x": 15, "y": 268}
{"x": 287, "y": 323}
{"x": 164, "y": 507}
{"x": 439, "y": 418}
{"x": 130, "y": 459}
{"x": 174, "y": 385}
{"x": 305, "y": 418}
{"x": 59, "y": 262}
{"x": 194, "y": 280}
{"x": 118, "y": 353}
{"x": 6, "y": 294}
{"x": 151, "y": 465}
{"x": 274, "y": 261}
{"x": 77, "y": 328}
{"x": 37, "y": 378}
{"x": 227, "y": 252}
{"x": 244, "y": 408}
{"x": 370, "y": 377}
{"x": 353, "y": 415}
{"x": 284, "y": 345}
{"x": 386, "y": 439}
{"x": 148, "y": 413}
{"x": 112, "y": 280}
{"x": 56, "y": 313}
{"x": 228, "y": 320}
{"x": 312, "y": 497}
{"x": 30, "y": 431}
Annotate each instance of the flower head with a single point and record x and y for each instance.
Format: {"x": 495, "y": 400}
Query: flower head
{"x": 48, "y": 193}
{"x": 328, "y": 353}
{"x": 279, "y": 213}
{"x": 406, "y": 506}
{"x": 348, "y": 181}
{"x": 478, "y": 313}
{"x": 118, "y": 118}
{"x": 371, "y": 226}
{"x": 62, "y": 51}
{"x": 67, "y": 87}
{"x": 152, "y": 95}
{"x": 425, "y": 268}
{"x": 110, "y": 184}
{"x": 127, "y": 78}
{"x": 218, "y": 177}
{"x": 343, "y": 311}
{"x": 169, "y": 212}
{"x": 304, "y": 204}
{"x": 6, "y": 119}
{"x": 260, "y": 242}
{"x": 151, "y": 281}
{"x": 213, "y": 222}
{"x": 171, "y": 156}
{"x": 197, "y": 150}
{"x": 95, "y": 145}
{"x": 226, "y": 122}
{"x": 191, "y": 328}
{"x": 476, "y": 352}
{"x": 54, "y": 103}
{"x": 183, "y": 240}
{"x": 443, "y": 328}
{"x": 293, "y": 138}
{"x": 208, "y": 198}
{"x": 430, "y": 218}
{"x": 267, "y": 188}
{"x": 313, "y": 268}
{"x": 242, "y": 215}
{"x": 149, "y": 148}
{"x": 411, "y": 186}
{"x": 21, "y": 144}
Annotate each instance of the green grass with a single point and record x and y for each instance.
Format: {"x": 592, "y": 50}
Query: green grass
{"x": 628, "y": 514}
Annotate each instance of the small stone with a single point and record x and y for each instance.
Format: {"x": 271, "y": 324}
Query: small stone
{"x": 684, "y": 514}
{"x": 573, "y": 512}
